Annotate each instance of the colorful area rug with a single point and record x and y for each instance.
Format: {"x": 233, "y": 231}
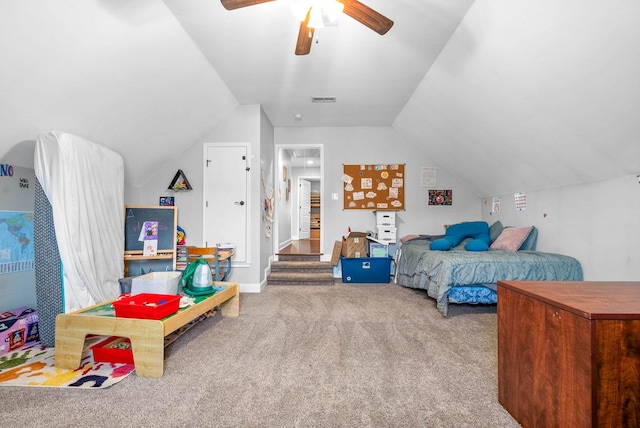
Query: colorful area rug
{"x": 33, "y": 365}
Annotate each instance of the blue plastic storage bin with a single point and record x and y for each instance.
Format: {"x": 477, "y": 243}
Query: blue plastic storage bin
{"x": 366, "y": 269}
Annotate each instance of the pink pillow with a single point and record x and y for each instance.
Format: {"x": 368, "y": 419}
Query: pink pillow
{"x": 511, "y": 238}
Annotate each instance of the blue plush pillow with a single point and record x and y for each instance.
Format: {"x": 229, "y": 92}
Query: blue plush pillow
{"x": 477, "y": 245}
{"x": 440, "y": 245}
{"x": 457, "y": 232}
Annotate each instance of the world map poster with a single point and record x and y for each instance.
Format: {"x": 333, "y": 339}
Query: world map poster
{"x": 16, "y": 241}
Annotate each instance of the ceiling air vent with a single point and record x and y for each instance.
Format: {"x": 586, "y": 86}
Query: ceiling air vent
{"x": 323, "y": 99}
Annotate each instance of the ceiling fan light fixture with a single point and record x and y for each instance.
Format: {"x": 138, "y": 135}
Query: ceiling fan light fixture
{"x": 331, "y": 9}
{"x": 315, "y": 18}
{"x": 325, "y": 13}
{"x": 299, "y": 8}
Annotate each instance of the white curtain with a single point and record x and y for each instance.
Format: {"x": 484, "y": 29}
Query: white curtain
{"x": 84, "y": 183}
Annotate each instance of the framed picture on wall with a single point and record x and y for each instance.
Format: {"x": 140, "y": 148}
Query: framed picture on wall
{"x": 440, "y": 197}
{"x": 167, "y": 201}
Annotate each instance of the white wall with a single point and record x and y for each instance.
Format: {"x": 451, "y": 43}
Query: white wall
{"x": 597, "y": 223}
{"x": 267, "y": 188}
{"x": 354, "y": 145}
{"x": 284, "y": 217}
{"x": 19, "y": 288}
{"x": 244, "y": 125}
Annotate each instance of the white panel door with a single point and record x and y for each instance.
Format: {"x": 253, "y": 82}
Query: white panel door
{"x": 304, "y": 202}
{"x": 225, "y": 198}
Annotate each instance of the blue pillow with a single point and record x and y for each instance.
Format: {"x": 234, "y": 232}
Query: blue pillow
{"x": 531, "y": 241}
{"x": 440, "y": 245}
{"x": 457, "y": 232}
{"x": 478, "y": 244}
{"x": 495, "y": 230}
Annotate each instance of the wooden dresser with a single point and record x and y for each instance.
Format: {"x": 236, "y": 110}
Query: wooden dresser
{"x": 569, "y": 353}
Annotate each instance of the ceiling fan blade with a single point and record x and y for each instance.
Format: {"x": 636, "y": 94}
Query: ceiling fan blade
{"x": 237, "y": 4}
{"x": 367, "y": 16}
{"x": 305, "y": 37}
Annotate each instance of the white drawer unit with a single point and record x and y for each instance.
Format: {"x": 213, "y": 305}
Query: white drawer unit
{"x": 386, "y": 218}
{"x": 387, "y": 234}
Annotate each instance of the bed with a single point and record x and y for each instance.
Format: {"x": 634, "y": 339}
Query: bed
{"x": 461, "y": 276}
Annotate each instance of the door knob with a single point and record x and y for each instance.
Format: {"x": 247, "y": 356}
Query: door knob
{"x": 239, "y": 203}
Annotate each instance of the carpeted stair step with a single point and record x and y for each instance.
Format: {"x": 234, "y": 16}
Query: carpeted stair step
{"x": 301, "y": 266}
{"x": 300, "y": 269}
{"x": 299, "y": 257}
{"x": 300, "y": 278}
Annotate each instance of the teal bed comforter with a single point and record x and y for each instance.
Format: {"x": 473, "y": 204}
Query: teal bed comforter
{"x": 439, "y": 271}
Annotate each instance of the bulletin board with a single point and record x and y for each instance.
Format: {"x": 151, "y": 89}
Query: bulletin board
{"x": 136, "y": 216}
{"x": 373, "y": 187}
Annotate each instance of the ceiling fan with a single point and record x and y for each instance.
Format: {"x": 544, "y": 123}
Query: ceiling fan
{"x": 358, "y": 11}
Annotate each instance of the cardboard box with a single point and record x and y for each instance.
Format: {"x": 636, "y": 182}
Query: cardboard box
{"x": 366, "y": 269}
{"x": 386, "y": 218}
{"x": 156, "y": 282}
{"x": 355, "y": 245}
{"x": 113, "y": 350}
{"x": 18, "y": 327}
{"x": 387, "y": 234}
{"x": 337, "y": 250}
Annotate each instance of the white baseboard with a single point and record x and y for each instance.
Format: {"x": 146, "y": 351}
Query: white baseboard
{"x": 252, "y": 287}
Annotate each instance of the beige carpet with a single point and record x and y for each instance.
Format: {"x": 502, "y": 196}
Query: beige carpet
{"x": 349, "y": 355}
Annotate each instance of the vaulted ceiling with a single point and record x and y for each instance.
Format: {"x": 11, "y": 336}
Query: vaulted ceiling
{"x": 371, "y": 76}
{"x": 509, "y": 94}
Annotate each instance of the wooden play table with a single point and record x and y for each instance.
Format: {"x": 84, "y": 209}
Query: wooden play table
{"x": 146, "y": 336}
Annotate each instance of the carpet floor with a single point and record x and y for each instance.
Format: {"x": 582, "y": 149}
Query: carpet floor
{"x": 348, "y": 355}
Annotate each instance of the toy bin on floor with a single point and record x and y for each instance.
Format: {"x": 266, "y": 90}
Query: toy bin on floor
{"x": 113, "y": 350}
{"x": 366, "y": 269}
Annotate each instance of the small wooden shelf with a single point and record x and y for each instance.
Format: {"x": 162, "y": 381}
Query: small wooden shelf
{"x": 181, "y": 257}
{"x": 314, "y": 225}
{"x": 315, "y": 221}
{"x": 179, "y": 182}
{"x": 141, "y": 257}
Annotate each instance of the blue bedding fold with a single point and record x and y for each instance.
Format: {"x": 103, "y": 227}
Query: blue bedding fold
{"x": 438, "y": 271}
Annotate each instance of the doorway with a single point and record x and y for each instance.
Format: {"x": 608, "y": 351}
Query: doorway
{"x": 297, "y": 225}
{"x": 225, "y": 200}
